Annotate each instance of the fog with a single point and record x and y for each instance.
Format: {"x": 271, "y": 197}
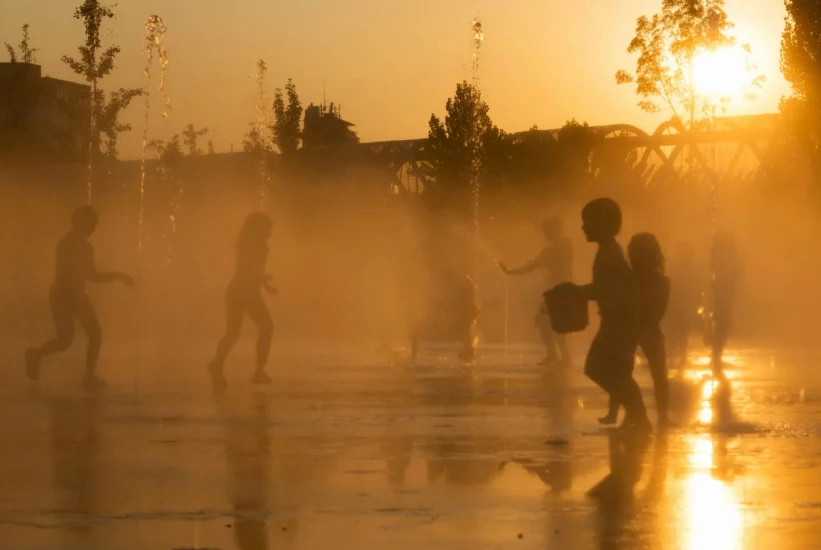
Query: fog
{"x": 355, "y": 263}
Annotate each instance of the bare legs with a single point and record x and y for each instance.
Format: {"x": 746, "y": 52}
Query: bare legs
{"x": 65, "y": 307}
{"x": 652, "y": 345}
{"x": 238, "y": 302}
{"x": 610, "y": 365}
{"x": 555, "y": 344}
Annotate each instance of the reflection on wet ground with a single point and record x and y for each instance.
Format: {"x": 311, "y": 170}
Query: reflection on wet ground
{"x": 344, "y": 452}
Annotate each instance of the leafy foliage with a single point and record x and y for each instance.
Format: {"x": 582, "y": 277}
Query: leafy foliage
{"x": 93, "y": 14}
{"x": 27, "y": 53}
{"x": 801, "y": 66}
{"x": 190, "y": 136}
{"x": 107, "y": 115}
{"x": 287, "y": 120}
{"x": 551, "y": 162}
{"x": 167, "y": 152}
{"x": 255, "y": 142}
{"x": 667, "y": 45}
{"x": 460, "y": 146}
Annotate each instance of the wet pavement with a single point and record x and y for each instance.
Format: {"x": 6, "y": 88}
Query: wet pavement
{"x": 348, "y": 451}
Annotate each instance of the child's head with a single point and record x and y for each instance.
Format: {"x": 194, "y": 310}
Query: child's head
{"x": 601, "y": 219}
{"x": 552, "y": 228}
{"x": 84, "y": 221}
{"x": 645, "y": 253}
{"x": 256, "y": 228}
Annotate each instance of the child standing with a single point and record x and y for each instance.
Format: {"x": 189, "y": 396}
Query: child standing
{"x": 610, "y": 359}
{"x": 726, "y": 276}
{"x": 68, "y": 299}
{"x": 556, "y": 261}
{"x": 652, "y": 293}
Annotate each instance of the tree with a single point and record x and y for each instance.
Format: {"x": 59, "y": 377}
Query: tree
{"x": 460, "y": 146}
{"x": 190, "y": 136}
{"x": 667, "y": 46}
{"x": 89, "y": 66}
{"x": 107, "y": 116}
{"x": 801, "y": 66}
{"x": 552, "y": 162}
{"x": 27, "y": 53}
{"x": 255, "y": 142}
{"x": 169, "y": 153}
{"x": 93, "y": 14}
{"x": 287, "y": 120}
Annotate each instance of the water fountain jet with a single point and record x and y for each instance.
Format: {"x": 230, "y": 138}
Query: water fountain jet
{"x": 154, "y": 45}
{"x": 260, "y": 123}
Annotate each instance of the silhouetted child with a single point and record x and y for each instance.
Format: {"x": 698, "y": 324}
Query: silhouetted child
{"x": 726, "y": 273}
{"x": 243, "y": 296}
{"x": 610, "y": 359}
{"x": 457, "y": 314}
{"x": 651, "y": 295}
{"x": 684, "y": 301}
{"x": 556, "y": 260}
{"x": 75, "y": 266}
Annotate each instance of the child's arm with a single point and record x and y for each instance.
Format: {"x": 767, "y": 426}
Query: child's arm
{"x": 536, "y": 263}
{"x": 96, "y": 276}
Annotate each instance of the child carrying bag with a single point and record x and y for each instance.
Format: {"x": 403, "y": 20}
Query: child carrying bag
{"x": 567, "y": 307}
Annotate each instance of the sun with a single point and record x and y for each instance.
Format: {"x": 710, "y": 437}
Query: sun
{"x": 721, "y": 74}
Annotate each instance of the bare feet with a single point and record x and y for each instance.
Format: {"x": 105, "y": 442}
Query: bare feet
{"x": 260, "y": 377}
{"x": 33, "y": 364}
{"x": 609, "y": 420}
{"x": 217, "y": 376}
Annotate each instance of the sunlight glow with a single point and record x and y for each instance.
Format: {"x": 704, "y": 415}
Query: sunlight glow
{"x": 714, "y": 519}
{"x": 705, "y": 411}
{"x": 721, "y": 74}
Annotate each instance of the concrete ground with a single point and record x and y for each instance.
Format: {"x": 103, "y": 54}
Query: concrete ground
{"x": 346, "y": 450}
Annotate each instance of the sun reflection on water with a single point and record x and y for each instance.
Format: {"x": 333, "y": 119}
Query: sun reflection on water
{"x": 714, "y": 519}
{"x": 705, "y": 410}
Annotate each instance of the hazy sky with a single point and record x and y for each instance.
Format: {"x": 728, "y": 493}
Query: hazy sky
{"x": 389, "y": 63}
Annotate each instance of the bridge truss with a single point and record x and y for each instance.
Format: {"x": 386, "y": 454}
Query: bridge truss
{"x": 722, "y": 148}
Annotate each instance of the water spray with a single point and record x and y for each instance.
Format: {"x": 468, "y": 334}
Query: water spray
{"x": 260, "y": 122}
{"x": 475, "y": 143}
{"x": 154, "y": 45}
{"x": 478, "y": 39}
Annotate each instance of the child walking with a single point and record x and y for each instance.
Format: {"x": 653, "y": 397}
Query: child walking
{"x": 243, "y": 296}
{"x": 652, "y": 293}
{"x": 610, "y": 359}
{"x": 74, "y": 267}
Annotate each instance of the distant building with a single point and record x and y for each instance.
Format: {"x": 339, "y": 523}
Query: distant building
{"x": 42, "y": 116}
{"x": 325, "y": 129}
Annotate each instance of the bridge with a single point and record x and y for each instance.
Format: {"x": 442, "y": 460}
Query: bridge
{"x": 740, "y": 144}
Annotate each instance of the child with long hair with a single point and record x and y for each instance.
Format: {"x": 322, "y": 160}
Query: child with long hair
{"x": 652, "y": 293}
{"x": 243, "y": 296}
